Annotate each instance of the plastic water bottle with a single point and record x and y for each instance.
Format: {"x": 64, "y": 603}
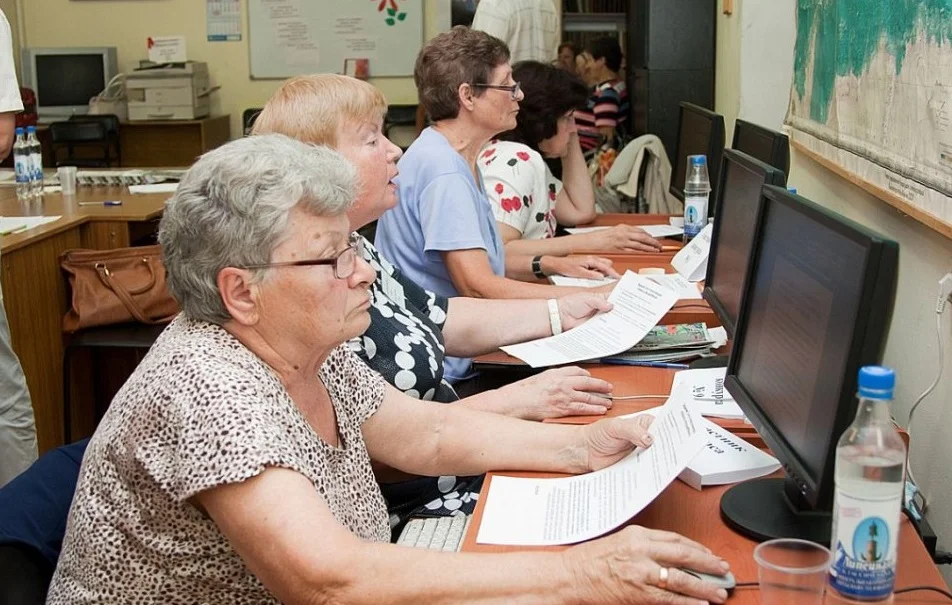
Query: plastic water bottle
{"x": 22, "y": 165}
{"x": 870, "y": 475}
{"x": 697, "y": 189}
{"x": 36, "y": 162}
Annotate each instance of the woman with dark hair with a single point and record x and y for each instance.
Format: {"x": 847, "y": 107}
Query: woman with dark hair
{"x": 566, "y": 58}
{"x": 527, "y": 199}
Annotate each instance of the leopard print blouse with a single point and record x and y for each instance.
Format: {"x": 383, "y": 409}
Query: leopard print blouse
{"x": 203, "y": 411}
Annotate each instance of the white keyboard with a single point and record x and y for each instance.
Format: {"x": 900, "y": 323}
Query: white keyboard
{"x": 435, "y": 533}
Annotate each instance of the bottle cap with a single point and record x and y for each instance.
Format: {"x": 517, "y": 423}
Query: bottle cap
{"x": 19, "y": 130}
{"x": 876, "y": 382}
{"x": 697, "y": 160}
{"x": 31, "y": 128}
{"x": 792, "y": 190}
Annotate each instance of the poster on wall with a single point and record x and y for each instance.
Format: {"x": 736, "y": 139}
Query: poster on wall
{"x": 223, "y": 20}
{"x": 872, "y": 96}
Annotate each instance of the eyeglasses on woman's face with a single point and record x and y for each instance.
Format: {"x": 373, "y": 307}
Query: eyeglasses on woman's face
{"x": 513, "y": 89}
{"x": 345, "y": 261}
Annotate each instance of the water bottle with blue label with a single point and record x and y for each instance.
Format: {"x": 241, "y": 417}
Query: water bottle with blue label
{"x": 22, "y": 165}
{"x": 36, "y": 162}
{"x": 870, "y": 474}
{"x": 697, "y": 189}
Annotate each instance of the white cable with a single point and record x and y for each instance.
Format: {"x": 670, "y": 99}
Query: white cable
{"x": 627, "y": 397}
{"x": 921, "y": 398}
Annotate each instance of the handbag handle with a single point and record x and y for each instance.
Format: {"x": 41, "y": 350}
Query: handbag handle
{"x": 125, "y": 296}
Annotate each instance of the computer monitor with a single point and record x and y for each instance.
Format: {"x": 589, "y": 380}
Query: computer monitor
{"x": 735, "y": 218}
{"x": 64, "y": 79}
{"x": 700, "y": 132}
{"x": 816, "y": 307}
{"x": 768, "y": 146}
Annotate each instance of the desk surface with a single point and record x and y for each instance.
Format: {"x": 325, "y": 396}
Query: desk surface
{"x": 135, "y": 207}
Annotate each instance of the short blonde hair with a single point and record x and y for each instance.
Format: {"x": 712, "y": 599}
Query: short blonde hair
{"x": 312, "y": 108}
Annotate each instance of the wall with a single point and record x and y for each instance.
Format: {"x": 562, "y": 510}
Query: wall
{"x": 126, "y": 24}
{"x": 924, "y": 258}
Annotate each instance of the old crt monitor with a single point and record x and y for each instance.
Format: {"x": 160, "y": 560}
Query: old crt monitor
{"x": 735, "y": 219}
{"x": 816, "y": 308}
{"x": 64, "y": 79}
{"x": 768, "y": 146}
{"x": 700, "y": 132}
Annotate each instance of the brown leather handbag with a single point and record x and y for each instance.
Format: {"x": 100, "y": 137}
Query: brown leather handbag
{"x": 116, "y": 286}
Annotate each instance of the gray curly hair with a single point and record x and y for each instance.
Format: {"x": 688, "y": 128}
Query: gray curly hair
{"x": 232, "y": 207}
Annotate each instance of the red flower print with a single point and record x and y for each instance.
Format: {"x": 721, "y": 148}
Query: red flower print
{"x": 552, "y": 195}
{"x": 522, "y": 155}
{"x": 499, "y": 188}
{"x": 516, "y": 203}
{"x": 489, "y": 152}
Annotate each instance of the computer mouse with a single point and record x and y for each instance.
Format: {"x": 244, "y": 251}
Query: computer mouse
{"x": 726, "y": 581}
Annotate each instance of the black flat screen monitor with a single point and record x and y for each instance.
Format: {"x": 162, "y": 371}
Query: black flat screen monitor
{"x": 735, "y": 218}
{"x": 768, "y": 146}
{"x": 700, "y": 132}
{"x": 817, "y": 304}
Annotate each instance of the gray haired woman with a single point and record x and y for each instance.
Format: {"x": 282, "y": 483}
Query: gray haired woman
{"x": 234, "y": 465}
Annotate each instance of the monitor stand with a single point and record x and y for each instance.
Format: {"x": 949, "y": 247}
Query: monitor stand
{"x": 716, "y": 361}
{"x": 762, "y": 509}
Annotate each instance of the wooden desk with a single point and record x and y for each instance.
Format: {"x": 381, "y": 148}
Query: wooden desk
{"x": 696, "y": 515}
{"x": 638, "y": 220}
{"x": 34, "y": 288}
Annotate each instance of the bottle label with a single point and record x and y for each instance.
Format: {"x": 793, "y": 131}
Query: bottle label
{"x": 695, "y": 214}
{"x": 22, "y": 168}
{"x": 865, "y": 537}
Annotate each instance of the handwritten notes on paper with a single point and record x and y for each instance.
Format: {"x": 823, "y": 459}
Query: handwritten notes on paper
{"x": 538, "y": 512}
{"x": 639, "y": 304}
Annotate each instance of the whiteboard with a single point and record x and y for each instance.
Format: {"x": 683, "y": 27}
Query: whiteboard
{"x": 292, "y": 37}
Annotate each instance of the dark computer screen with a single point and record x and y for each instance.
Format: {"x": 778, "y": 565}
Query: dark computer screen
{"x": 735, "y": 221}
{"x": 68, "y": 79}
{"x": 700, "y": 132}
{"x": 804, "y": 295}
{"x": 817, "y": 303}
{"x": 768, "y": 146}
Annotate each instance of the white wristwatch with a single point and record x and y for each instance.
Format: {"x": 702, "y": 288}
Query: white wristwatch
{"x": 555, "y": 321}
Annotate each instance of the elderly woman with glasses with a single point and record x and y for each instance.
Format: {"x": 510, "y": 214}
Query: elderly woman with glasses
{"x": 235, "y": 464}
{"x": 443, "y": 234}
{"x": 514, "y": 169}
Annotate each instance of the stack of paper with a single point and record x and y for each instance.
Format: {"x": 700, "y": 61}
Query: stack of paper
{"x": 672, "y": 343}
{"x": 655, "y": 231}
{"x": 726, "y": 459}
{"x": 16, "y": 224}
{"x": 541, "y": 512}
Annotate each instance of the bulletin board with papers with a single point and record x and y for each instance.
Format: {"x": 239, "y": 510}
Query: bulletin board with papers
{"x": 292, "y": 37}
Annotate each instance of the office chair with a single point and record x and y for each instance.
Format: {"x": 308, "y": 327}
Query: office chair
{"x": 248, "y": 118}
{"x": 399, "y": 116}
{"x": 89, "y": 138}
{"x": 111, "y": 122}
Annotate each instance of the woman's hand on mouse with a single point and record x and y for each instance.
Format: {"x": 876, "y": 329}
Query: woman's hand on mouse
{"x": 626, "y": 567}
{"x": 568, "y": 391}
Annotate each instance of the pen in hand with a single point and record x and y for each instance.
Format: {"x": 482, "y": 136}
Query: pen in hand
{"x": 106, "y": 203}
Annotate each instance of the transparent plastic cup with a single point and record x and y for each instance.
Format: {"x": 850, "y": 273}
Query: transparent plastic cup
{"x": 67, "y": 179}
{"x": 792, "y": 572}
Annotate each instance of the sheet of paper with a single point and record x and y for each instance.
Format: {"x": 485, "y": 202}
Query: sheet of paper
{"x": 580, "y": 282}
{"x": 704, "y": 391}
{"x": 166, "y": 49}
{"x": 639, "y": 304}
{"x": 677, "y": 284}
{"x": 154, "y": 188}
{"x": 7, "y": 175}
{"x": 718, "y": 335}
{"x": 662, "y": 230}
{"x": 538, "y": 512}
{"x": 691, "y": 260}
{"x": 16, "y": 224}
{"x": 580, "y": 230}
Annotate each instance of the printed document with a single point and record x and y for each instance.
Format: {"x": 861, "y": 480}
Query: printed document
{"x": 580, "y": 282}
{"x": 652, "y": 230}
{"x": 638, "y": 305}
{"x": 677, "y": 284}
{"x": 539, "y": 512}
{"x": 704, "y": 391}
{"x": 691, "y": 261}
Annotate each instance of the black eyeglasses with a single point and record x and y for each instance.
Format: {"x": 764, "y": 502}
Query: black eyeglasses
{"x": 514, "y": 89}
{"x": 345, "y": 261}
